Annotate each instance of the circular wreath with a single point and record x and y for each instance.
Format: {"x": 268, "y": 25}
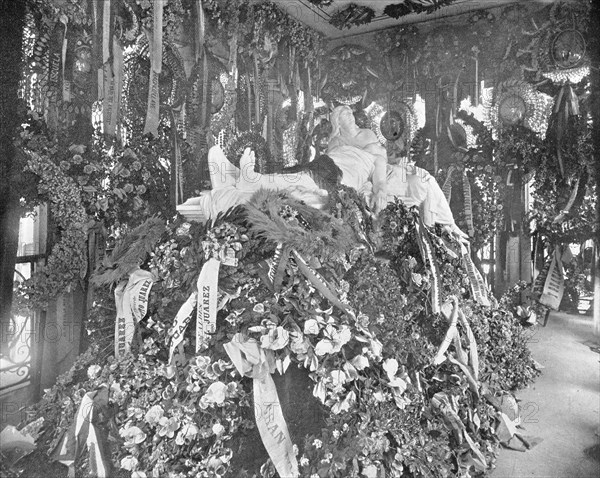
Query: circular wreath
{"x": 402, "y": 113}
{"x": 254, "y": 141}
{"x": 347, "y": 76}
{"x": 537, "y": 105}
{"x": 172, "y": 79}
{"x": 554, "y": 60}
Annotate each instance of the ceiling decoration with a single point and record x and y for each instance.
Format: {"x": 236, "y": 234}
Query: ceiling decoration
{"x": 342, "y": 18}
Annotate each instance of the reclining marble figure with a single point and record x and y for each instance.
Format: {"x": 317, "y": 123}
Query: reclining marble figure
{"x": 354, "y": 167}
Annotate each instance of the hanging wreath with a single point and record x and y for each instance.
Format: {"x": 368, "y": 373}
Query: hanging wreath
{"x": 172, "y": 80}
{"x": 558, "y": 48}
{"x": 254, "y": 141}
{"x": 516, "y": 102}
{"x": 347, "y": 79}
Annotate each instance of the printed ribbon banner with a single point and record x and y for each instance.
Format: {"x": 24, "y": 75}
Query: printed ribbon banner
{"x": 554, "y": 286}
{"x": 427, "y": 254}
{"x": 131, "y": 299}
{"x": 468, "y": 205}
{"x": 204, "y": 299}
{"x": 83, "y": 433}
{"x": 155, "y": 40}
{"x": 206, "y": 314}
{"x": 478, "y": 288}
{"x": 182, "y": 319}
{"x": 251, "y": 360}
{"x": 447, "y": 187}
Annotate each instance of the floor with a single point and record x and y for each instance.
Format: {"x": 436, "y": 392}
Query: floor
{"x": 562, "y": 407}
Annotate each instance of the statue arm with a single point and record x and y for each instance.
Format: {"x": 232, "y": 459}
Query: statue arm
{"x": 379, "y": 177}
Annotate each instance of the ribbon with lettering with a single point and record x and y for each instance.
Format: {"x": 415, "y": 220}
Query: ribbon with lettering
{"x": 447, "y": 187}
{"x": 554, "y": 286}
{"x": 131, "y": 299}
{"x": 422, "y": 235}
{"x": 468, "y": 205}
{"x": 83, "y": 433}
{"x": 478, "y": 288}
{"x": 155, "y": 40}
{"x": 182, "y": 319}
{"x": 112, "y": 94}
{"x": 251, "y": 360}
{"x": 206, "y": 314}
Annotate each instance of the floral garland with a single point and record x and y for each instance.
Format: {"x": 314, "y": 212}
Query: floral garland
{"x": 412, "y": 6}
{"x": 68, "y": 260}
{"x": 371, "y": 370}
{"x": 251, "y": 21}
{"x": 352, "y": 15}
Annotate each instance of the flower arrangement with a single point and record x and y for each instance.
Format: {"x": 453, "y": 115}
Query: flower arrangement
{"x": 88, "y": 185}
{"x": 360, "y": 325}
{"x": 67, "y": 261}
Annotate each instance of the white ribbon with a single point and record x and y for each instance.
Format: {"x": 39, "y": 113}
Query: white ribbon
{"x": 206, "y": 316}
{"x": 131, "y": 300}
{"x": 475, "y": 279}
{"x": 554, "y": 286}
{"x": 253, "y": 361}
{"x": 155, "y": 40}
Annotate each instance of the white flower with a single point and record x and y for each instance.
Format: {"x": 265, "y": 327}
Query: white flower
{"x": 129, "y": 463}
{"x": 304, "y": 461}
{"x": 275, "y": 339}
{"x": 338, "y": 378}
{"x": 187, "y": 432}
{"x": 218, "y": 429}
{"x": 379, "y": 396}
{"x": 311, "y": 327}
{"x": 360, "y": 362}
{"x": 391, "y": 367}
{"x": 370, "y": 471}
{"x": 132, "y": 435}
{"x": 138, "y": 474}
{"x": 215, "y": 393}
{"x": 336, "y": 434}
{"x": 154, "y": 415}
{"x": 319, "y": 391}
{"x": 93, "y": 371}
{"x": 317, "y": 443}
{"x": 334, "y": 341}
{"x": 259, "y": 308}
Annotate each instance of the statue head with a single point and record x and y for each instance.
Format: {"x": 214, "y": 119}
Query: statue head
{"x": 340, "y": 117}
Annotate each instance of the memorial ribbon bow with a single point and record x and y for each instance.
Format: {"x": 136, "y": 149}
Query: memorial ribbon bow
{"x": 251, "y": 360}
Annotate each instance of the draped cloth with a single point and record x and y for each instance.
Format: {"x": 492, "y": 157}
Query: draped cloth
{"x": 414, "y": 186}
{"x": 233, "y": 186}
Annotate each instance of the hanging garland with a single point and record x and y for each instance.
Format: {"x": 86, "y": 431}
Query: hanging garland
{"x": 352, "y": 15}
{"x": 172, "y": 81}
{"x": 415, "y": 6}
{"x": 67, "y": 261}
{"x": 517, "y": 102}
{"x": 347, "y": 78}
